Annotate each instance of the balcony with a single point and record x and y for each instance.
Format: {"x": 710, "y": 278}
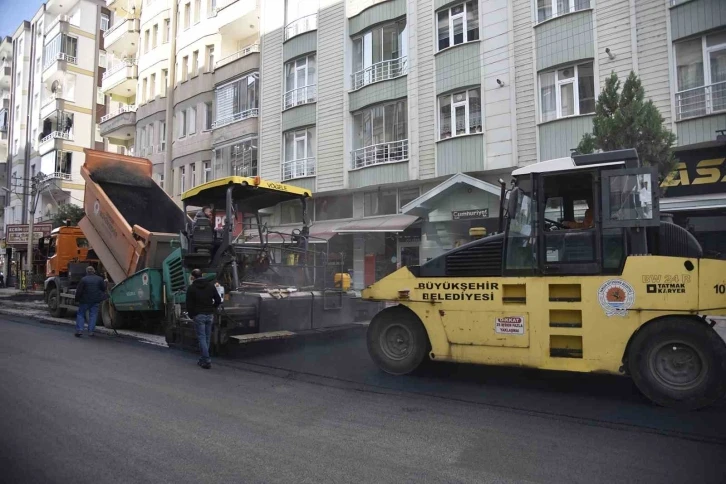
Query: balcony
{"x": 120, "y": 125}
{"x": 378, "y": 154}
{"x": 237, "y": 55}
{"x": 301, "y": 25}
{"x": 120, "y": 79}
{"x": 53, "y": 141}
{"x": 55, "y": 66}
{"x": 5, "y": 75}
{"x": 224, "y": 121}
{"x": 381, "y": 71}
{"x": 237, "y": 18}
{"x": 298, "y": 168}
{"x": 300, "y": 96}
{"x": 701, "y": 101}
{"x": 54, "y": 102}
{"x": 123, "y": 36}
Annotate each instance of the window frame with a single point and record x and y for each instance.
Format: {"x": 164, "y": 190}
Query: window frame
{"x": 192, "y": 120}
{"x": 450, "y": 24}
{"x": 207, "y": 171}
{"x": 182, "y": 179}
{"x": 155, "y": 36}
{"x": 467, "y": 113}
{"x": 575, "y": 81}
{"x": 708, "y": 83}
{"x": 308, "y": 136}
{"x": 572, "y": 5}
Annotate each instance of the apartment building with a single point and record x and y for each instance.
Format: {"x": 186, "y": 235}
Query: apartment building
{"x": 6, "y": 72}
{"x": 54, "y": 106}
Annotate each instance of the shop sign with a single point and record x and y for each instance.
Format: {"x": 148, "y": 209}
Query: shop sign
{"x": 474, "y": 213}
{"x": 698, "y": 172}
{"x": 18, "y": 234}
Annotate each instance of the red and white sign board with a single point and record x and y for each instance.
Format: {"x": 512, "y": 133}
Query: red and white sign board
{"x": 509, "y": 325}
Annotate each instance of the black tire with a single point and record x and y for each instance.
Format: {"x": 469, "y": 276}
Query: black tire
{"x": 53, "y": 301}
{"x": 679, "y": 363}
{"x": 397, "y": 341}
{"x": 111, "y": 318}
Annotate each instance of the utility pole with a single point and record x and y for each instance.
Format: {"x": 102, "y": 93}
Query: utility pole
{"x": 36, "y": 187}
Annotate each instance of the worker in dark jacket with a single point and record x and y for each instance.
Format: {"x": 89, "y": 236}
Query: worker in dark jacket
{"x": 91, "y": 291}
{"x": 202, "y": 300}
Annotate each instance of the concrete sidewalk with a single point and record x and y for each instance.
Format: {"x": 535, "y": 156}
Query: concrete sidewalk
{"x": 19, "y": 294}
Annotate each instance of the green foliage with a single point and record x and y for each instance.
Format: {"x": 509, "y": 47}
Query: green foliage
{"x": 70, "y": 212}
{"x": 624, "y": 120}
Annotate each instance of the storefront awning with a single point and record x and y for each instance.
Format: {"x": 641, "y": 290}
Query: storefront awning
{"x": 389, "y": 223}
{"x": 320, "y": 232}
{"x": 427, "y": 202}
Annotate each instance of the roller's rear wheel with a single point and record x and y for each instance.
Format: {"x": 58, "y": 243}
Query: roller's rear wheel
{"x": 397, "y": 341}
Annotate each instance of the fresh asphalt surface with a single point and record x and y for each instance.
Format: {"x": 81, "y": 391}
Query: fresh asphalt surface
{"x": 317, "y": 410}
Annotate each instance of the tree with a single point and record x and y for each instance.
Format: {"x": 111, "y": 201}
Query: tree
{"x": 625, "y": 120}
{"x": 68, "y": 211}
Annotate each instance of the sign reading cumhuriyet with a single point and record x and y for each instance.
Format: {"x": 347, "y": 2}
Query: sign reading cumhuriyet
{"x": 17, "y": 235}
{"x": 470, "y": 214}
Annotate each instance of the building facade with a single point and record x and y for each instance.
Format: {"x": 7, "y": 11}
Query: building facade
{"x": 6, "y": 72}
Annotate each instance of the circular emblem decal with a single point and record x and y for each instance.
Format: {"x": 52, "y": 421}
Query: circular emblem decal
{"x": 96, "y": 207}
{"x": 616, "y": 297}
{"x": 145, "y": 279}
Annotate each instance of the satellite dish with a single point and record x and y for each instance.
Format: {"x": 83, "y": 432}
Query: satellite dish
{"x": 55, "y": 87}
{"x": 49, "y": 208}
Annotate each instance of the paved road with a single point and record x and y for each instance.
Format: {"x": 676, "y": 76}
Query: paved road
{"x": 108, "y": 410}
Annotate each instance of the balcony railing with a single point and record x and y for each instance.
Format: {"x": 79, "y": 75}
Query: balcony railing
{"x": 121, "y": 65}
{"x": 300, "y": 96}
{"x": 237, "y": 55}
{"x": 380, "y": 153}
{"x": 233, "y": 118}
{"x": 381, "y": 71}
{"x": 701, "y": 101}
{"x": 125, "y": 109}
{"x": 301, "y": 25}
{"x": 61, "y": 56}
{"x": 56, "y": 21}
{"x": 298, "y": 168}
{"x": 115, "y": 27}
{"x": 59, "y": 175}
{"x": 56, "y": 135}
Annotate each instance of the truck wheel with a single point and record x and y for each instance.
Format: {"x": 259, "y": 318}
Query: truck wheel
{"x": 679, "y": 363}
{"x": 54, "y": 304}
{"x": 397, "y": 341}
{"x": 111, "y": 318}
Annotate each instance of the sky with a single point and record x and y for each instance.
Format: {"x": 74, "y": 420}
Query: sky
{"x": 12, "y": 12}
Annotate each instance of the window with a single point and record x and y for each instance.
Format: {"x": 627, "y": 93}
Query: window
{"x": 193, "y": 171}
{"x": 567, "y": 91}
{"x": 300, "y": 16}
{"x": 192, "y": 117}
{"x": 62, "y": 46}
{"x": 546, "y": 9}
{"x": 300, "y": 78}
{"x": 458, "y": 24}
{"x": 145, "y": 84}
{"x": 291, "y": 212}
{"x": 380, "y": 54}
{"x": 184, "y": 68}
{"x": 207, "y": 176}
{"x": 142, "y": 140}
{"x": 35, "y": 101}
{"x": 167, "y": 31}
{"x": 465, "y": 109}
{"x": 150, "y": 143}
{"x": 105, "y": 22}
{"x": 37, "y": 65}
{"x": 162, "y": 136}
{"x": 187, "y": 15}
{"x": 238, "y": 159}
{"x": 330, "y": 208}
{"x": 162, "y": 82}
{"x": 380, "y": 202}
{"x": 237, "y": 100}
{"x": 182, "y": 180}
{"x": 195, "y": 63}
{"x": 146, "y": 40}
{"x": 207, "y": 116}
{"x": 210, "y": 58}
{"x": 211, "y": 8}
{"x": 197, "y": 11}
{"x": 299, "y": 154}
{"x": 380, "y": 134}
{"x": 155, "y": 36}
{"x": 407, "y": 195}
{"x": 701, "y": 78}
{"x": 182, "y": 123}
{"x": 161, "y": 180}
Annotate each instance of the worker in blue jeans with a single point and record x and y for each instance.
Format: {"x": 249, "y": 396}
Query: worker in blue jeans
{"x": 90, "y": 293}
{"x": 201, "y": 303}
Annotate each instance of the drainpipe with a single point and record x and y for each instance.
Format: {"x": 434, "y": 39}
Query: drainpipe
{"x": 169, "y": 119}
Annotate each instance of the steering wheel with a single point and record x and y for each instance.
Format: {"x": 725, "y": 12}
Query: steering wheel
{"x": 550, "y": 224}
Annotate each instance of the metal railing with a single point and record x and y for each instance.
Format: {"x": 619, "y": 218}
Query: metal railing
{"x": 237, "y": 55}
{"x": 381, "y": 71}
{"x": 233, "y": 118}
{"x": 301, "y": 25}
{"x": 248, "y": 169}
{"x": 59, "y": 175}
{"x": 299, "y": 96}
{"x": 380, "y": 153}
{"x": 61, "y": 56}
{"x": 701, "y": 101}
{"x": 125, "y": 109}
{"x": 298, "y": 168}
{"x": 56, "y": 135}
{"x": 121, "y": 65}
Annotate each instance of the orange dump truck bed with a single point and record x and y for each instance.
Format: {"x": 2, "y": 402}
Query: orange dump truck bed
{"x": 130, "y": 222}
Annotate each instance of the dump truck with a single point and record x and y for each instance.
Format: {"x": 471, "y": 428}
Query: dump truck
{"x": 616, "y": 290}
{"x": 148, "y": 246}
